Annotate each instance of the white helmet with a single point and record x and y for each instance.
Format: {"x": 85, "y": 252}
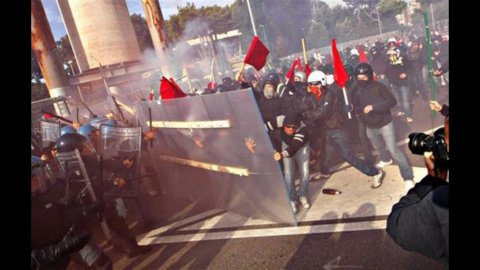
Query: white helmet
{"x": 391, "y": 40}
{"x": 354, "y": 52}
{"x": 317, "y": 76}
{"x": 301, "y": 75}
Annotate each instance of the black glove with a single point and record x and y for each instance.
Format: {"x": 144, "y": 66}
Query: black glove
{"x": 347, "y": 108}
{"x": 52, "y": 253}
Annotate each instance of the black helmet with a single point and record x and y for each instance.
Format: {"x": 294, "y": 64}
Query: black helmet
{"x": 365, "y": 69}
{"x": 292, "y": 118}
{"x": 374, "y": 51}
{"x": 222, "y": 88}
{"x": 273, "y": 79}
{"x": 71, "y": 141}
{"x": 227, "y": 80}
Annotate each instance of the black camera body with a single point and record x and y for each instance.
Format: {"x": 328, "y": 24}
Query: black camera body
{"x": 420, "y": 143}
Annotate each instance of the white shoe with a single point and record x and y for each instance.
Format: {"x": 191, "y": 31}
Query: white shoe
{"x": 321, "y": 176}
{"x": 304, "y": 202}
{"x": 382, "y": 163}
{"x": 294, "y": 206}
{"x": 400, "y": 113}
{"x": 408, "y": 185}
{"x": 409, "y": 119}
{"x": 378, "y": 179}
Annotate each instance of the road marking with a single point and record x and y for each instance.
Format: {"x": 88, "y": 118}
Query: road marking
{"x": 293, "y": 230}
{"x": 330, "y": 265}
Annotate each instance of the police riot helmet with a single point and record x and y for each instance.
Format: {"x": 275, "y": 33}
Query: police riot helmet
{"x": 365, "y": 69}
{"x": 86, "y": 130}
{"x": 71, "y": 141}
{"x": 67, "y": 129}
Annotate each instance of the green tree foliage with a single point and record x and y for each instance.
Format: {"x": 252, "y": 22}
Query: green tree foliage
{"x": 141, "y": 31}
{"x": 392, "y": 7}
{"x": 217, "y": 19}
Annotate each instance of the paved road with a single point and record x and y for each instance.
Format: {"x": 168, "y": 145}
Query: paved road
{"x": 339, "y": 232}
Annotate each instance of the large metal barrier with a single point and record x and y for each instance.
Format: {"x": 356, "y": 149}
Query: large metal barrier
{"x": 200, "y": 152}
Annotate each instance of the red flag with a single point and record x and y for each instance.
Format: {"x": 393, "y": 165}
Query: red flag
{"x": 340, "y": 74}
{"x": 169, "y": 89}
{"x": 307, "y": 70}
{"x": 291, "y": 71}
{"x": 257, "y": 54}
{"x": 299, "y": 65}
{"x": 362, "y": 58}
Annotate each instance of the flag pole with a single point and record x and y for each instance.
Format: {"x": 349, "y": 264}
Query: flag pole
{"x": 346, "y": 101}
{"x": 240, "y": 72}
{"x": 251, "y": 18}
{"x": 430, "y": 64}
{"x": 304, "y": 52}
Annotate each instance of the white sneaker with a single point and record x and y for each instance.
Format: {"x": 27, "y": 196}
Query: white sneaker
{"x": 304, "y": 202}
{"x": 408, "y": 185}
{"x": 294, "y": 206}
{"x": 382, "y": 163}
{"x": 409, "y": 119}
{"x": 378, "y": 179}
{"x": 321, "y": 176}
{"x": 400, "y": 113}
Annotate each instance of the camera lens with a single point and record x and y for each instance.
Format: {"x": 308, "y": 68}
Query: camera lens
{"x": 420, "y": 143}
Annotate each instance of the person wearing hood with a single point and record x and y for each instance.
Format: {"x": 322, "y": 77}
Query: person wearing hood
{"x": 373, "y": 101}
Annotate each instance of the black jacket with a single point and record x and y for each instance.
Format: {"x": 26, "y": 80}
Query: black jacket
{"x": 295, "y": 142}
{"x": 419, "y": 222}
{"x": 376, "y": 94}
{"x": 328, "y": 110}
{"x": 393, "y": 72}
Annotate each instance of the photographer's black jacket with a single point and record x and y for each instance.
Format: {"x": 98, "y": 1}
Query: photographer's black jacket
{"x": 419, "y": 222}
{"x": 376, "y": 94}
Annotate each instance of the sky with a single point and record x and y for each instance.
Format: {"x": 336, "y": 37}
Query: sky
{"x": 169, "y": 7}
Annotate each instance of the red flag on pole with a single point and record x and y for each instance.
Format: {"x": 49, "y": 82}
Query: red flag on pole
{"x": 307, "y": 70}
{"x": 340, "y": 74}
{"x": 362, "y": 58}
{"x": 299, "y": 65}
{"x": 296, "y": 64}
{"x": 169, "y": 89}
{"x": 257, "y": 54}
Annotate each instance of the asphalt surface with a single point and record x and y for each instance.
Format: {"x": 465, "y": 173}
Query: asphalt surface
{"x": 338, "y": 232}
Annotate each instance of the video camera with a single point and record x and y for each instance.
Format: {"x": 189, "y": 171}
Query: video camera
{"x": 420, "y": 143}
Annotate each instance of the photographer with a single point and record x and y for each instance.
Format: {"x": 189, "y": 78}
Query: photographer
{"x": 419, "y": 222}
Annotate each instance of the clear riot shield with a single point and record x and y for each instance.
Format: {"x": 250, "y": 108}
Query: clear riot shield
{"x": 200, "y": 150}
{"x": 49, "y": 132}
{"x": 78, "y": 182}
{"x": 119, "y": 151}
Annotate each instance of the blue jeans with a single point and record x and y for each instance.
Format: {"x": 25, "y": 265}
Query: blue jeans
{"x": 402, "y": 95}
{"x": 387, "y": 134}
{"x": 336, "y": 139}
{"x": 302, "y": 157}
{"x": 417, "y": 84}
